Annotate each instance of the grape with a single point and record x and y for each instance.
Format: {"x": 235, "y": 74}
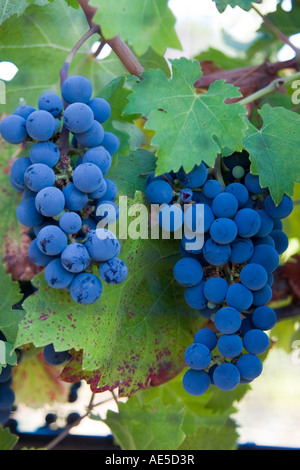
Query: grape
{"x": 264, "y": 318}
{"x": 27, "y": 214}
{"x": 237, "y": 158}
{"x": 246, "y": 326}
{"x": 102, "y": 244}
{"x": 101, "y": 109}
{"x": 215, "y": 289}
{"x": 170, "y": 217}
{"x": 249, "y": 366}
{"x": 239, "y": 191}
{"x": 86, "y": 288}
{"x": 50, "y": 102}
{"x": 159, "y": 192}
{"x": 248, "y": 222}
{"x": 194, "y": 296}
{"x": 39, "y": 176}
{"x": 4, "y": 415}
{"x": 78, "y": 117}
{"x": 186, "y": 195}
{"x": 266, "y": 256}
{"x": 281, "y": 211}
{"x": 165, "y": 177}
{"x": 110, "y": 142}
{"x": 230, "y": 346}
{"x": 87, "y": 177}
{"x": 70, "y": 222}
{"x": 226, "y": 377}
{"x": 194, "y": 179}
{"x": 56, "y": 275}
{"x": 239, "y": 297}
{"x": 75, "y": 258}
{"x": 111, "y": 191}
{"x": 197, "y": 356}
{"x": 216, "y": 254}
{"x": 228, "y": 320}
{"x": 188, "y": 272}
{"x": 241, "y": 250}
{"x": 270, "y": 280}
{"x": 252, "y": 184}
{"x": 17, "y": 173}
{"x": 51, "y": 240}
{"x": 13, "y": 129}
{"x": 6, "y": 374}
{"x": 238, "y": 172}
{"x": 225, "y": 205}
{"x": 100, "y": 192}
{"x": 75, "y": 200}
{"x": 198, "y": 218}
{"x": 262, "y": 296}
{"x": 266, "y": 226}
{"x": 256, "y": 342}
{"x": 191, "y": 243}
{"x": 212, "y": 188}
{"x": 264, "y": 241}
{"x": 106, "y": 211}
{"x": 223, "y": 230}
{"x": 40, "y": 125}
{"x": 196, "y": 382}
{"x": 73, "y": 419}
{"x": 55, "y": 358}
{"x": 93, "y": 137}
{"x": 113, "y": 271}
{"x": 278, "y": 224}
{"x": 50, "y": 201}
{"x": 76, "y": 89}
{"x": 44, "y": 152}
{"x": 281, "y": 241}
{"x": 207, "y": 337}
{"x": 7, "y": 397}
{"x": 254, "y": 276}
{"x": 24, "y": 111}
{"x": 100, "y": 157}
{"x": 36, "y": 256}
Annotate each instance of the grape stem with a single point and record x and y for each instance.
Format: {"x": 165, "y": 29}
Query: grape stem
{"x": 218, "y": 171}
{"x": 273, "y": 86}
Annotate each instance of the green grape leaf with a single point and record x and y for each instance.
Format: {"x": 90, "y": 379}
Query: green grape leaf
{"x": 244, "y": 4}
{"x": 142, "y": 24}
{"x": 8, "y": 440}
{"x": 137, "y": 332}
{"x": 275, "y": 150}
{"x": 9, "y": 8}
{"x": 189, "y": 127}
{"x": 206, "y": 424}
{"x": 9, "y": 318}
{"x": 151, "y": 426}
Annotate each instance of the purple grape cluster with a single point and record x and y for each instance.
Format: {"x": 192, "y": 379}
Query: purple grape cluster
{"x": 228, "y": 279}
{"x": 62, "y": 194}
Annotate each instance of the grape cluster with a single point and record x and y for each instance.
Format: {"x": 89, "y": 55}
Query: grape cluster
{"x": 7, "y": 395}
{"x": 228, "y": 280}
{"x": 66, "y": 196}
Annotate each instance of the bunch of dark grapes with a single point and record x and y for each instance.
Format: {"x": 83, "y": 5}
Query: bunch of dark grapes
{"x": 62, "y": 194}
{"x": 228, "y": 280}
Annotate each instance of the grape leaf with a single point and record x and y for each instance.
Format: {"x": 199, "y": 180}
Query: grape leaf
{"x": 8, "y": 440}
{"x": 142, "y": 24}
{"x": 9, "y": 295}
{"x": 9, "y": 8}
{"x": 275, "y": 150}
{"x": 189, "y": 127}
{"x": 244, "y": 4}
{"x": 151, "y": 426}
{"x": 35, "y": 382}
{"x": 137, "y": 332}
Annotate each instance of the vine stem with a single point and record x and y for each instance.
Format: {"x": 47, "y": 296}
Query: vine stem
{"x": 276, "y": 30}
{"x": 218, "y": 171}
{"x": 273, "y": 86}
{"x": 120, "y": 48}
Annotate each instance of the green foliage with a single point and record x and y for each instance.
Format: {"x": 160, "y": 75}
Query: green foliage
{"x": 270, "y": 150}
{"x": 142, "y": 24}
{"x": 244, "y": 4}
{"x": 188, "y": 127}
{"x": 7, "y": 439}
